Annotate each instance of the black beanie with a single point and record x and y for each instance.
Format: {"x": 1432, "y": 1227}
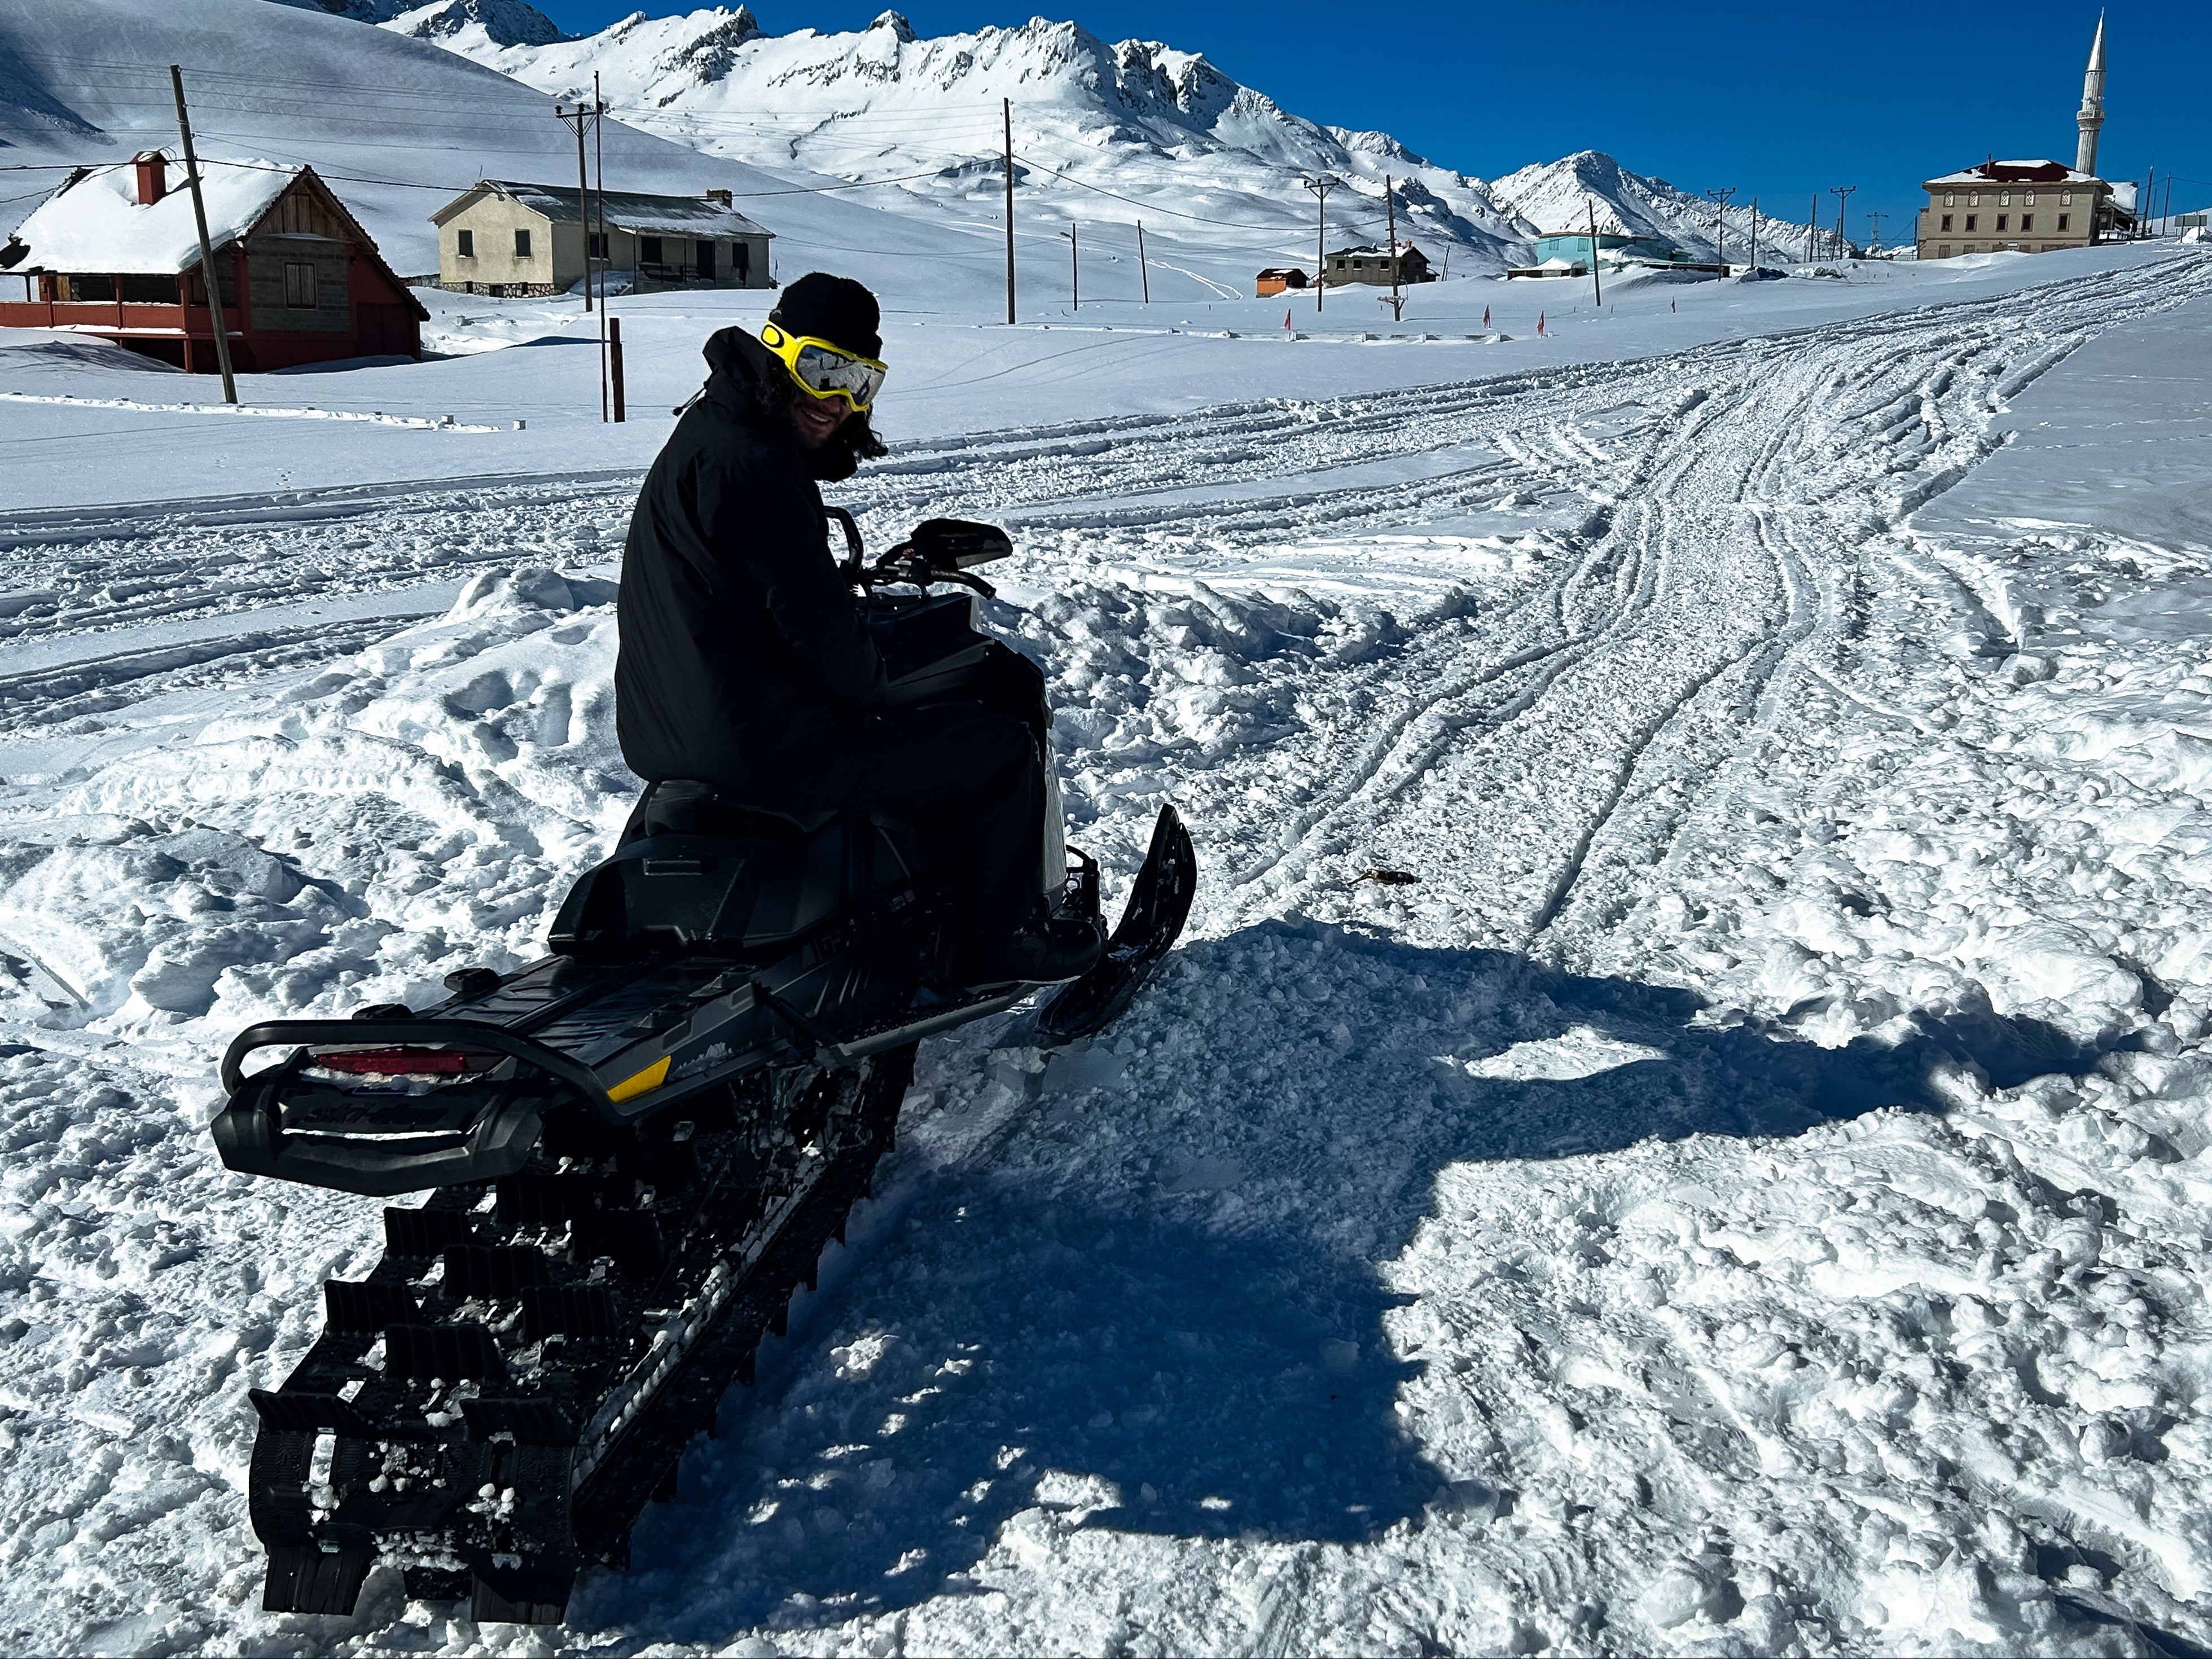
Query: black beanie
{"x": 833, "y": 308}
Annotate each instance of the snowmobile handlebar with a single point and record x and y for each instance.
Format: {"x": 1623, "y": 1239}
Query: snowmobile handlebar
{"x": 935, "y": 550}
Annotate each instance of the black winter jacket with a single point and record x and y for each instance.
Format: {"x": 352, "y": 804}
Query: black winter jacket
{"x": 743, "y": 658}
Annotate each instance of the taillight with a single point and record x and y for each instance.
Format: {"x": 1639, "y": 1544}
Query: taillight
{"x": 404, "y": 1062}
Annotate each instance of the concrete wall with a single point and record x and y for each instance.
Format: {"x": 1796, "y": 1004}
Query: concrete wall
{"x": 1994, "y": 218}
{"x": 266, "y": 256}
{"x": 555, "y": 260}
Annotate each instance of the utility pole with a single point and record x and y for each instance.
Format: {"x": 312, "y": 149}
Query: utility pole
{"x": 600, "y": 216}
{"x": 1143, "y": 273}
{"x": 1397, "y": 301}
{"x": 1597, "y": 289}
{"x": 1843, "y": 195}
{"x": 1813, "y": 230}
{"x": 1074, "y": 271}
{"x": 579, "y": 118}
{"x": 1720, "y": 233}
{"x": 1877, "y": 218}
{"x": 207, "y": 253}
{"x": 1320, "y": 184}
{"x": 1007, "y": 109}
{"x": 1754, "y": 238}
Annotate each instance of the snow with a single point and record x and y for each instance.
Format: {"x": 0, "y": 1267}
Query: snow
{"x": 98, "y": 223}
{"x": 1744, "y": 1194}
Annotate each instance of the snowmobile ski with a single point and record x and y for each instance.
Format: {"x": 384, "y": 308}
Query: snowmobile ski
{"x": 1152, "y": 920}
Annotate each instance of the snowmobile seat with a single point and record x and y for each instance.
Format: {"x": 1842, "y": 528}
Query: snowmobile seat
{"x": 756, "y": 886}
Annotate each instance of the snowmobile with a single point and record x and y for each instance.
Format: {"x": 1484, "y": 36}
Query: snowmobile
{"x": 635, "y": 1149}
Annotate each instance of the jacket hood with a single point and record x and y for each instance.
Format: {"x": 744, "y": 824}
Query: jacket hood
{"x": 741, "y": 366}
{"x": 737, "y": 365}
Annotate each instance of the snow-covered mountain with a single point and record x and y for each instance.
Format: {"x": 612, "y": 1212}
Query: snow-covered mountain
{"x": 1104, "y": 131}
{"x": 1556, "y": 195}
{"x": 1109, "y": 130}
{"x": 505, "y": 23}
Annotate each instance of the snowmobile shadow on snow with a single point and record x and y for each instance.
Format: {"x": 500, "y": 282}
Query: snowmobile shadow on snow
{"x": 1159, "y": 1311}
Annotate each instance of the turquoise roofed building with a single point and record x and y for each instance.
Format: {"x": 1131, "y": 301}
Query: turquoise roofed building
{"x": 1614, "y": 248}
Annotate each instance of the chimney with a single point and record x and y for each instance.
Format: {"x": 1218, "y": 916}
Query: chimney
{"x": 152, "y": 176}
{"x": 719, "y": 198}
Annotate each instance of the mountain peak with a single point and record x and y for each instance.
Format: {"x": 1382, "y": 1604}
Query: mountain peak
{"x": 895, "y": 22}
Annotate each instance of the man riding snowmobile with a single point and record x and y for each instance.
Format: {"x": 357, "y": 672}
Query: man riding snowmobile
{"x": 747, "y": 677}
{"x": 637, "y": 1147}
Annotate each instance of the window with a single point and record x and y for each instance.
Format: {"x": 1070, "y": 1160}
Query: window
{"x": 2027, "y": 221}
{"x": 2004, "y": 199}
{"x": 1946, "y": 222}
{"x": 298, "y": 285}
{"x": 1973, "y": 198}
{"x": 89, "y": 287}
{"x": 1970, "y": 220}
{"x": 522, "y": 244}
{"x": 146, "y": 290}
{"x": 744, "y": 252}
{"x": 648, "y": 250}
{"x": 2028, "y": 200}
{"x": 1950, "y": 198}
{"x": 597, "y": 240}
{"x": 466, "y": 245}
{"x": 2001, "y": 217}
{"x": 1944, "y": 252}
{"x": 2066, "y": 199}
{"x": 2062, "y": 218}
{"x": 706, "y": 250}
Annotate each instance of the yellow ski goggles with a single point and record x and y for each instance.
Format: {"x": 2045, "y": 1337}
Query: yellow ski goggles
{"x": 825, "y": 369}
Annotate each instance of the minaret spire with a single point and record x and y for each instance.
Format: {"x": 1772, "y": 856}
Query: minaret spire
{"x": 2090, "y": 116}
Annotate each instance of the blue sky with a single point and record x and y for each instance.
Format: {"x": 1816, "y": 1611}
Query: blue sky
{"x": 1779, "y": 100}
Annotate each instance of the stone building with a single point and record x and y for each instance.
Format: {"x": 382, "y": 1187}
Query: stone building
{"x": 504, "y": 238}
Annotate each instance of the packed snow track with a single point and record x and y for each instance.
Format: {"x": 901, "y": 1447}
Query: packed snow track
{"x": 1678, "y": 1126}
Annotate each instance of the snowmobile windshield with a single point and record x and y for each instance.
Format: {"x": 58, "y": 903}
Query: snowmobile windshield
{"x": 826, "y": 369}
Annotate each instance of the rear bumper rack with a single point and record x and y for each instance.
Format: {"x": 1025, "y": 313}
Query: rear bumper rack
{"x": 381, "y": 1145}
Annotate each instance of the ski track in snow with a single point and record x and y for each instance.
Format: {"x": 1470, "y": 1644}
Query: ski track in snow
{"x": 1736, "y": 1199}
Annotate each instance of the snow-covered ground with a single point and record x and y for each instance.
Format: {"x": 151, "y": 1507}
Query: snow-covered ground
{"x": 1741, "y": 1196}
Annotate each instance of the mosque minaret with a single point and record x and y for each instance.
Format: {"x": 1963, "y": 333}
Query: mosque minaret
{"x": 2090, "y": 116}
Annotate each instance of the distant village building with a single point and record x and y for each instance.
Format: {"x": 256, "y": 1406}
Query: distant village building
{"x": 115, "y": 253}
{"x": 1276, "y": 279}
{"x": 503, "y": 238}
{"x": 1373, "y": 264}
{"x": 2030, "y": 206}
{"x": 1614, "y": 248}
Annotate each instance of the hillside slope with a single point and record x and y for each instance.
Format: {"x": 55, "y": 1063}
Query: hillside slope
{"x": 396, "y": 124}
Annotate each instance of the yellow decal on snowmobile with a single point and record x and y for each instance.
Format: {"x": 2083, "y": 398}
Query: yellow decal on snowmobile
{"x": 644, "y": 1083}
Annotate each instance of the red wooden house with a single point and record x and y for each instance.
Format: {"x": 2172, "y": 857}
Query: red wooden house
{"x": 115, "y": 252}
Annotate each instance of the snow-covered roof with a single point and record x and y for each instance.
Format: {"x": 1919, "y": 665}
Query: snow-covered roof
{"x": 630, "y": 210}
{"x": 2016, "y": 172}
{"x": 95, "y": 223}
